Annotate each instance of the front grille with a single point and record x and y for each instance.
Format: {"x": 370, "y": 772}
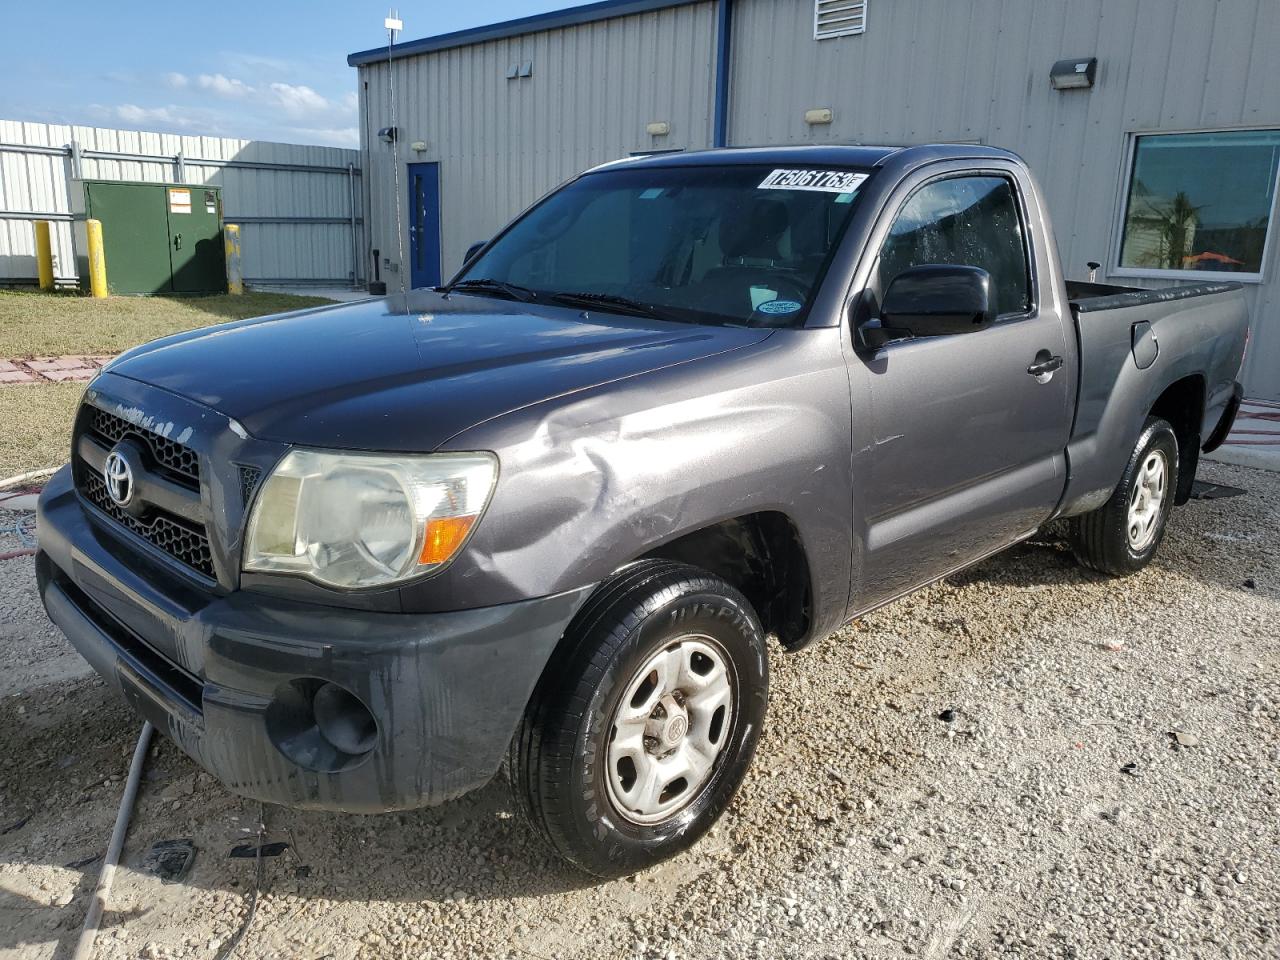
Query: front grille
{"x": 249, "y": 477}
{"x": 176, "y": 538}
{"x": 177, "y": 460}
{"x": 184, "y": 540}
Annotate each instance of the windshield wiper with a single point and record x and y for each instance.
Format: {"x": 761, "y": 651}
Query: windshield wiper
{"x": 485, "y": 285}
{"x": 615, "y": 301}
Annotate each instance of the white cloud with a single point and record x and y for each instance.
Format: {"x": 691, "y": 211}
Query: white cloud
{"x": 224, "y": 86}
{"x": 168, "y": 116}
{"x": 248, "y": 124}
{"x": 256, "y": 64}
{"x": 328, "y": 136}
{"x": 271, "y": 104}
{"x": 298, "y": 99}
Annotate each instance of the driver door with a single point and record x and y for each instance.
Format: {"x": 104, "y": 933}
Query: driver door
{"x": 967, "y": 449}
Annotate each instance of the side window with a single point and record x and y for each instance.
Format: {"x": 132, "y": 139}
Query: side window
{"x": 963, "y": 221}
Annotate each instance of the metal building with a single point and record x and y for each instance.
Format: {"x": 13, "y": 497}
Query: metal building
{"x": 1153, "y": 125}
{"x": 298, "y": 206}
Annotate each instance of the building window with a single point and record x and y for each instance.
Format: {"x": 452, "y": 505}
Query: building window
{"x": 838, "y": 18}
{"x": 1199, "y": 203}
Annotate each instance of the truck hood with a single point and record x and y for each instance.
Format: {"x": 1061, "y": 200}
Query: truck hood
{"x": 406, "y": 375}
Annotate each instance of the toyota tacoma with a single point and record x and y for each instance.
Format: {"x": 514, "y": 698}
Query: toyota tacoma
{"x": 362, "y": 556}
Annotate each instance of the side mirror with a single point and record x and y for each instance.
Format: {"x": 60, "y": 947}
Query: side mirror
{"x": 472, "y": 251}
{"x": 933, "y": 300}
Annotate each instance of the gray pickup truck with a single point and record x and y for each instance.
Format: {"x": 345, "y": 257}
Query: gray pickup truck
{"x": 359, "y": 557}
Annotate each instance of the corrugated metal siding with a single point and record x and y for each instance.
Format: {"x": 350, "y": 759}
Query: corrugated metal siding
{"x": 930, "y": 70}
{"x": 39, "y": 183}
{"x": 503, "y": 143}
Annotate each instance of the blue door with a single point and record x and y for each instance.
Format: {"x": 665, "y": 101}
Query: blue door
{"x": 424, "y": 224}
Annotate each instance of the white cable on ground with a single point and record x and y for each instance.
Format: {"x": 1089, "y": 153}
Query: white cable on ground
{"x": 29, "y": 475}
{"x": 84, "y": 948}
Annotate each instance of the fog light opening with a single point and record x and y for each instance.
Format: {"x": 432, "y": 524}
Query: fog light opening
{"x": 320, "y": 726}
{"x": 343, "y": 720}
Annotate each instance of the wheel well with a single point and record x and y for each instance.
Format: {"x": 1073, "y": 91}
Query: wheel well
{"x": 1182, "y": 404}
{"x": 763, "y": 557}
{"x": 761, "y": 554}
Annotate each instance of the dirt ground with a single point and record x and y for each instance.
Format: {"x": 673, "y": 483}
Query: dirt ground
{"x": 1053, "y": 812}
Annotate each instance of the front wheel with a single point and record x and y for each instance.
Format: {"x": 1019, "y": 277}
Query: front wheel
{"x": 646, "y": 720}
{"x": 1122, "y": 535}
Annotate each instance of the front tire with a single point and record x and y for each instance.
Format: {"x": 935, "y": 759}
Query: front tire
{"x": 1121, "y": 536}
{"x": 645, "y": 721}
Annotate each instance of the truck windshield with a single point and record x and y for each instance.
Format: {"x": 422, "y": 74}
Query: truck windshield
{"x": 743, "y": 245}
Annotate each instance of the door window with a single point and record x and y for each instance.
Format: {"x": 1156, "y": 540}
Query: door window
{"x": 963, "y": 221}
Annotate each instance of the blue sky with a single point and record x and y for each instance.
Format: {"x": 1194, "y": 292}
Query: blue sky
{"x": 268, "y": 70}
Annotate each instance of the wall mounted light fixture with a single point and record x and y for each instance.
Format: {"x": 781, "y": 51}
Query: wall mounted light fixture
{"x": 819, "y": 116}
{"x": 1074, "y": 74}
{"x": 658, "y": 128}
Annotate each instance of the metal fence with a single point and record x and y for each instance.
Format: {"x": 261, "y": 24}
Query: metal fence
{"x": 298, "y": 206}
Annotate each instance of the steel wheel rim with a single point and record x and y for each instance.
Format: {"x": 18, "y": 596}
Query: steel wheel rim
{"x": 669, "y": 728}
{"x": 1147, "y": 501}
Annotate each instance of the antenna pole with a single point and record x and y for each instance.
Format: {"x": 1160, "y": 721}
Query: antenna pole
{"x": 394, "y": 24}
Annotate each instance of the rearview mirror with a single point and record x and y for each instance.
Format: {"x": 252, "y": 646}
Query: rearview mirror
{"x": 472, "y": 251}
{"x": 933, "y": 300}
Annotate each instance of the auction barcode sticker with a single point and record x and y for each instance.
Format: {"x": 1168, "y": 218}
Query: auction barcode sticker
{"x": 823, "y": 181}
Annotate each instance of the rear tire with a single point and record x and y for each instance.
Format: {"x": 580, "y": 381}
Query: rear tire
{"x": 645, "y": 721}
{"x": 1121, "y": 536}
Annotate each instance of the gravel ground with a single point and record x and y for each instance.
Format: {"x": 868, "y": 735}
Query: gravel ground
{"x": 1025, "y": 760}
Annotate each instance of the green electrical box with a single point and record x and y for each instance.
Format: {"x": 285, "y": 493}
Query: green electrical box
{"x": 159, "y": 237}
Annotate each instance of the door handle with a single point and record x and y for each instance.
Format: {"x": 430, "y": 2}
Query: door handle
{"x": 1046, "y": 366}
{"x": 177, "y": 241}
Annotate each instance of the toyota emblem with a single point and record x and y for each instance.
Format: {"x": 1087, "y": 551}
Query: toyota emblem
{"x": 119, "y": 478}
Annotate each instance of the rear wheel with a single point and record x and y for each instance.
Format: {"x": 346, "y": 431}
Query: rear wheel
{"x": 1122, "y": 535}
{"x": 645, "y": 722}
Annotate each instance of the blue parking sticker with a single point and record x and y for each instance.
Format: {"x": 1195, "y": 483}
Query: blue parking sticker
{"x": 778, "y": 307}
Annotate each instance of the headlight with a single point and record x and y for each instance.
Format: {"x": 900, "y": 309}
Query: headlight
{"x": 365, "y": 520}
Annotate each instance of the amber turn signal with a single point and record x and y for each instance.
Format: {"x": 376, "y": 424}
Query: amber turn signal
{"x": 444, "y": 537}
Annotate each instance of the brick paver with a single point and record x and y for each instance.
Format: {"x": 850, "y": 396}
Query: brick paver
{"x": 50, "y": 369}
{"x": 14, "y": 375}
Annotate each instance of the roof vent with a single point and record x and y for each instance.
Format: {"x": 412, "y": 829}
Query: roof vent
{"x": 838, "y": 18}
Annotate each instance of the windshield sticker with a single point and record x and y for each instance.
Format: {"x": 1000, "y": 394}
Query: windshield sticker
{"x": 822, "y": 181}
{"x": 761, "y": 295}
{"x": 653, "y": 193}
{"x": 779, "y": 307}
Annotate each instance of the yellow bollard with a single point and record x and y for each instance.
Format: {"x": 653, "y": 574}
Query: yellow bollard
{"x": 235, "y": 272}
{"x": 44, "y": 254}
{"x": 97, "y": 259}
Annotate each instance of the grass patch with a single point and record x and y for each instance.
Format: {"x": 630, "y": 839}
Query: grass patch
{"x": 52, "y": 324}
{"x": 35, "y": 419}
{"x": 36, "y": 422}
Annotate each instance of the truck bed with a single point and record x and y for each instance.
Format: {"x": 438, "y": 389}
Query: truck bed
{"x": 1132, "y": 343}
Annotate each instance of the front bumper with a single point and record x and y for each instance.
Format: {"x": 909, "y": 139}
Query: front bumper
{"x": 446, "y": 690}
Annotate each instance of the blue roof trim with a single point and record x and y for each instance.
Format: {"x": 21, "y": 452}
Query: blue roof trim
{"x": 572, "y": 17}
